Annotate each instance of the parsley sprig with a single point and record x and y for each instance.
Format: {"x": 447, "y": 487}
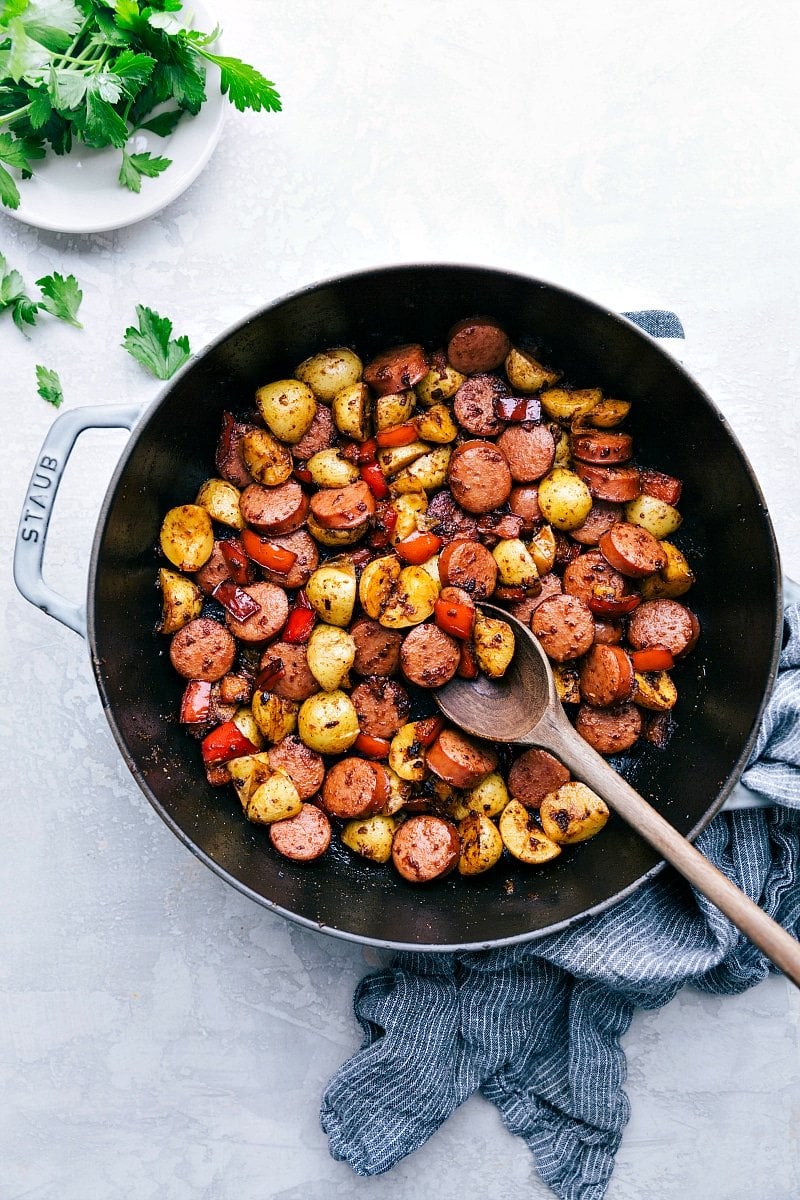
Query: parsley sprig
{"x": 60, "y": 296}
{"x": 96, "y": 71}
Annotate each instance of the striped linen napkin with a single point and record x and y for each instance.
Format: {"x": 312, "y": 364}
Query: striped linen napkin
{"x": 537, "y": 1027}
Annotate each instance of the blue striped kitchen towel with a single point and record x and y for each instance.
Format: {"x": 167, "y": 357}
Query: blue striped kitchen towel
{"x": 537, "y": 1027}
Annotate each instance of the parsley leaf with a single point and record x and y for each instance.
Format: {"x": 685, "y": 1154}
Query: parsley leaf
{"x": 153, "y": 346}
{"x": 62, "y": 297}
{"x": 13, "y": 296}
{"x": 246, "y": 86}
{"x": 163, "y": 123}
{"x": 134, "y": 166}
{"x": 49, "y": 386}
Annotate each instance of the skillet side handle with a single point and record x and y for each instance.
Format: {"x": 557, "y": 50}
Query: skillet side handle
{"x": 38, "y": 505}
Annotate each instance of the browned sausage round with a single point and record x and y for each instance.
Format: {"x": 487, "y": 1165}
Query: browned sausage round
{"x": 397, "y": 369}
{"x": 344, "y": 507}
{"x": 304, "y": 766}
{"x": 664, "y": 623}
{"x": 271, "y": 617}
{"x": 470, "y": 566}
{"x": 606, "y": 676}
{"x": 229, "y": 458}
{"x": 449, "y": 519}
{"x": 602, "y": 515}
{"x": 354, "y": 787}
{"x": 473, "y": 405}
{"x": 203, "y": 649}
{"x": 524, "y": 503}
{"x": 479, "y": 476}
{"x": 213, "y": 571}
{"x": 601, "y": 446}
{"x": 495, "y": 526}
{"x": 609, "y": 730}
{"x": 303, "y": 545}
{"x": 304, "y": 837}
{"x": 608, "y": 632}
{"x": 297, "y": 682}
{"x": 632, "y": 550}
{"x": 661, "y": 486}
{"x": 377, "y": 649}
{"x": 320, "y": 435}
{"x": 425, "y": 847}
{"x": 280, "y": 509}
{"x": 617, "y": 484}
{"x": 592, "y": 570}
{"x": 477, "y": 344}
{"x": 565, "y": 627}
{"x": 529, "y": 451}
{"x": 523, "y": 610}
{"x": 460, "y": 761}
{"x": 456, "y": 595}
{"x": 429, "y": 657}
{"x": 534, "y": 775}
{"x": 382, "y": 706}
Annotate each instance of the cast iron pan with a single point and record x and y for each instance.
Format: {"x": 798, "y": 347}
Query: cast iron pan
{"x": 727, "y": 535}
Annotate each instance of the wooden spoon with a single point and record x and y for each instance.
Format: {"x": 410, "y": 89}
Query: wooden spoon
{"x": 523, "y": 707}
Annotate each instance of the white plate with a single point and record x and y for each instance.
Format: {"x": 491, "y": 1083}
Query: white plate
{"x": 80, "y": 193}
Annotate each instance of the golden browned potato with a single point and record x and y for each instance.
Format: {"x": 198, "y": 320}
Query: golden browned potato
{"x": 329, "y": 371}
{"x": 181, "y": 600}
{"x": 249, "y": 772}
{"x": 352, "y": 410}
{"x": 656, "y": 516}
{"x": 412, "y": 600}
{"x": 655, "y": 690}
{"x": 561, "y": 404}
{"x": 515, "y": 565}
{"x": 563, "y": 456}
{"x": 399, "y": 791}
{"x": 274, "y": 800}
{"x": 672, "y": 580}
{"x": 328, "y": 468}
{"x": 564, "y": 499}
{"x": 566, "y": 677}
{"x": 288, "y": 407}
{"x": 274, "y": 716}
{"x": 187, "y": 537}
{"x": 408, "y": 507}
{"x": 393, "y": 459}
{"x": 330, "y": 652}
{"x": 394, "y": 409}
{"x": 481, "y": 844}
{"x": 436, "y": 424}
{"x": 573, "y": 814}
{"x": 494, "y": 645}
{"x": 246, "y": 723}
{"x": 523, "y": 838}
{"x": 428, "y": 472}
{"x": 220, "y": 499}
{"x": 608, "y": 413}
{"x": 441, "y": 383}
{"x": 526, "y": 374}
{"x": 331, "y": 591}
{"x": 334, "y": 537}
{"x": 328, "y": 722}
{"x": 371, "y": 837}
{"x": 542, "y": 548}
{"x": 267, "y": 459}
{"x": 377, "y": 584}
{"x": 407, "y": 755}
{"x": 489, "y": 797}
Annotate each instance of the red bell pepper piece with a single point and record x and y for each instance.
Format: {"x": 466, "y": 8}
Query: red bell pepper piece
{"x": 373, "y": 477}
{"x": 302, "y": 475}
{"x": 372, "y": 747}
{"x": 468, "y": 663}
{"x": 418, "y": 547}
{"x": 224, "y": 743}
{"x": 266, "y": 553}
{"x": 455, "y": 618}
{"x": 398, "y": 435}
{"x": 427, "y": 730}
{"x": 300, "y": 622}
{"x": 385, "y": 521}
{"x": 653, "y": 658}
{"x": 606, "y": 605}
{"x": 235, "y": 600}
{"x": 196, "y": 702}
{"x": 518, "y": 408}
{"x": 239, "y": 565}
{"x": 270, "y": 673}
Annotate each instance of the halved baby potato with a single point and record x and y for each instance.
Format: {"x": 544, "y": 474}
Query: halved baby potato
{"x": 489, "y": 797}
{"x": 655, "y": 690}
{"x": 328, "y": 722}
{"x": 187, "y": 536}
{"x": 656, "y": 516}
{"x": 246, "y": 723}
{"x": 494, "y": 644}
{"x": 525, "y": 373}
{"x": 522, "y": 836}
{"x": 335, "y": 537}
{"x": 608, "y": 413}
{"x": 377, "y": 583}
{"x": 561, "y": 404}
{"x": 267, "y": 459}
{"x": 181, "y": 600}
{"x": 566, "y": 677}
{"x": 220, "y": 499}
{"x": 413, "y": 599}
{"x": 564, "y": 499}
{"x": 351, "y": 410}
{"x": 436, "y": 425}
{"x": 274, "y": 800}
{"x": 275, "y": 716}
{"x": 427, "y": 472}
{"x": 393, "y": 409}
{"x": 331, "y": 591}
{"x": 542, "y": 548}
{"x": 330, "y": 654}
{"x": 393, "y": 459}
{"x": 249, "y": 772}
{"x": 481, "y": 844}
{"x": 672, "y": 580}
{"x": 573, "y": 814}
{"x": 441, "y": 383}
{"x": 288, "y": 407}
{"x": 408, "y": 507}
{"x": 515, "y": 565}
{"x": 328, "y": 468}
{"x": 371, "y": 837}
{"x": 327, "y": 372}
{"x": 407, "y": 754}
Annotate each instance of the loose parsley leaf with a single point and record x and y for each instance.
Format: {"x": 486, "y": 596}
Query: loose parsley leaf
{"x": 62, "y": 297}
{"x": 153, "y": 346}
{"x": 163, "y": 123}
{"x": 246, "y": 86}
{"x": 134, "y": 166}
{"x": 49, "y": 386}
{"x": 13, "y": 296}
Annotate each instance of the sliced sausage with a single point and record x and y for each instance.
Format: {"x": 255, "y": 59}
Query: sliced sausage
{"x": 382, "y": 705}
{"x": 303, "y": 545}
{"x": 213, "y": 571}
{"x": 608, "y": 632}
{"x": 355, "y": 787}
{"x": 280, "y": 509}
{"x": 603, "y": 447}
{"x": 534, "y": 775}
{"x": 344, "y": 507}
{"x": 304, "y": 837}
{"x": 320, "y": 435}
{"x": 592, "y": 570}
{"x": 304, "y": 766}
{"x": 473, "y": 405}
{"x": 297, "y": 682}
{"x": 609, "y": 730}
{"x": 449, "y": 519}
{"x": 377, "y": 649}
{"x": 429, "y": 657}
{"x": 524, "y": 503}
{"x": 273, "y": 610}
{"x": 397, "y": 369}
{"x": 529, "y": 450}
{"x": 660, "y": 486}
{"x": 617, "y": 484}
{"x": 632, "y": 550}
{"x": 523, "y": 610}
{"x": 458, "y": 760}
{"x": 664, "y": 623}
{"x": 495, "y": 526}
{"x": 228, "y": 457}
{"x": 425, "y": 847}
{"x": 479, "y": 477}
{"x": 203, "y": 649}
{"x": 565, "y": 626}
{"x": 606, "y": 676}
{"x": 477, "y": 344}
{"x": 470, "y": 566}
{"x": 658, "y": 728}
{"x": 602, "y": 515}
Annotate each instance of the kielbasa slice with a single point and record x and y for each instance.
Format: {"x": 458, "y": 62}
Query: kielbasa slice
{"x": 606, "y": 676}
{"x": 297, "y": 682}
{"x": 495, "y": 526}
{"x": 215, "y": 570}
{"x": 632, "y": 550}
{"x": 524, "y": 609}
{"x": 429, "y": 657}
{"x": 608, "y": 632}
{"x": 617, "y": 484}
{"x": 304, "y": 766}
{"x": 377, "y": 649}
{"x": 458, "y": 760}
{"x": 320, "y": 435}
{"x": 425, "y": 847}
{"x": 355, "y": 787}
{"x": 660, "y": 486}
{"x": 529, "y": 450}
{"x": 228, "y": 458}
{"x": 449, "y": 519}
{"x": 280, "y": 509}
{"x": 479, "y": 476}
{"x": 203, "y": 649}
{"x": 303, "y": 545}
{"x": 382, "y": 705}
{"x": 664, "y": 623}
{"x": 344, "y": 507}
{"x": 273, "y": 610}
{"x": 397, "y": 369}
{"x": 609, "y": 730}
{"x": 603, "y": 447}
{"x": 470, "y": 566}
{"x": 477, "y": 344}
{"x": 590, "y": 571}
{"x": 473, "y": 405}
{"x": 602, "y": 515}
{"x": 304, "y": 837}
{"x": 534, "y": 775}
{"x": 524, "y": 503}
{"x": 565, "y": 627}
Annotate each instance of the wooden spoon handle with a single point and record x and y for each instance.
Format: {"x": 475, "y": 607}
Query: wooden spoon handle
{"x": 588, "y": 766}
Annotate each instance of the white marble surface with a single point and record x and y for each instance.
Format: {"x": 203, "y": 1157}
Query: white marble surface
{"x": 160, "y": 1035}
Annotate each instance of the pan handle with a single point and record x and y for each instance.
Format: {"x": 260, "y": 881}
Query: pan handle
{"x": 40, "y": 497}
